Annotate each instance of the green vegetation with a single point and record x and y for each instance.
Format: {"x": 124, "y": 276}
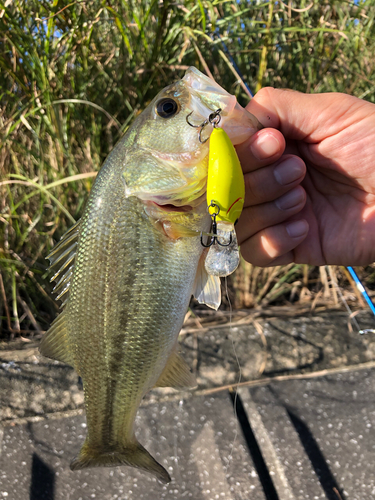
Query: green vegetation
{"x": 73, "y": 74}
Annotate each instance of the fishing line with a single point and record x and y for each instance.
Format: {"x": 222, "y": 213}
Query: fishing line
{"x": 176, "y": 470}
{"x": 230, "y": 457}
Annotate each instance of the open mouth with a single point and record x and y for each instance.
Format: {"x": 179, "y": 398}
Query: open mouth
{"x": 172, "y": 208}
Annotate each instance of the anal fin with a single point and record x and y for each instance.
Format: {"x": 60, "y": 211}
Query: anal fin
{"x": 55, "y": 343}
{"x": 176, "y": 374}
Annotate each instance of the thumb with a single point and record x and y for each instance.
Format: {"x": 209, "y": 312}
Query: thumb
{"x": 299, "y": 116}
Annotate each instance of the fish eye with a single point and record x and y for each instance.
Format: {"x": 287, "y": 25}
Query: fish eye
{"x": 167, "y": 107}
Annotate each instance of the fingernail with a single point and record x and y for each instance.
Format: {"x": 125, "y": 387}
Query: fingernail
{"x": 265, "y": 146}
{"x": 291, "y": 199}
{"x": 289, "y": 171}
{"x": 296, "y": 229}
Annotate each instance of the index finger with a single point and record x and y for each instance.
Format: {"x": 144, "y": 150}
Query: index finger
{"x": 307, "y": 117}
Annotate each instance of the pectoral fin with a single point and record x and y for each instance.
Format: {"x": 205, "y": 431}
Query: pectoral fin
{"x": 174, "y": 230}
{"x": 207, "y": 288}
{"x": 176, "y": 374}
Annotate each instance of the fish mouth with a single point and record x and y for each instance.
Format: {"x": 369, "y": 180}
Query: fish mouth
{"x": 168, "y": 207}
{"x": 207, "y": 96}
{"x": 179, "y": 204}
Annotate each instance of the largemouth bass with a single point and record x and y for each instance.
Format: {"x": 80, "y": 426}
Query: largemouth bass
{"x": 126, "y": 271}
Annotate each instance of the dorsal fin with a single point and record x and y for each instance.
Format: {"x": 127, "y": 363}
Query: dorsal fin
{"x": 62, "y": 260}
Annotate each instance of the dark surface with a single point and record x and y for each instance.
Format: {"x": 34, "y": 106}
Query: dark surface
{"x": 323, "y": 433}
{"x": 309, "y": 439}
{"x": 191, "y": 438}
{"x": 305, "y": 439}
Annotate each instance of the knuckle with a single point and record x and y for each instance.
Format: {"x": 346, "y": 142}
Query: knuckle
{"x": 264, "y": 93}
{"x": 258, "y": 189}
{"x": 251, "y": 194}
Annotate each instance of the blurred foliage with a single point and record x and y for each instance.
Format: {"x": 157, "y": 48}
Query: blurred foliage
{"x": 74, "y": 74}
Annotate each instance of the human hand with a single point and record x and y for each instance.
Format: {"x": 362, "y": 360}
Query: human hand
{"x": 313, "y": 202}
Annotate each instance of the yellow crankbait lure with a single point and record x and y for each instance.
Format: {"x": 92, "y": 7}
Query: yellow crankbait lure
{"x": 225, "y": 199}
{"x": 225, "y": 182}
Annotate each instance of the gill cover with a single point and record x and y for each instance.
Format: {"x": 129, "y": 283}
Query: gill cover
{"x": 225, "y": 182}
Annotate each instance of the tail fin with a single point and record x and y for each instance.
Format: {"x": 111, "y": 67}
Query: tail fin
{"x": 134, "y": 455}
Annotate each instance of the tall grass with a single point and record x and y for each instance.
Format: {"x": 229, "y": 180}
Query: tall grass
{"x": 73, "y": 75}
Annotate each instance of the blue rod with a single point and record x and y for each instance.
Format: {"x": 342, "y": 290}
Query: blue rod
{"x": 233, "y": 62}
{"x": 361, "y": 288}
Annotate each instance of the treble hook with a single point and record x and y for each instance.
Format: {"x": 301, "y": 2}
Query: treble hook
{"x": 214, "y": 118}
{"x": 215, "y": 238}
